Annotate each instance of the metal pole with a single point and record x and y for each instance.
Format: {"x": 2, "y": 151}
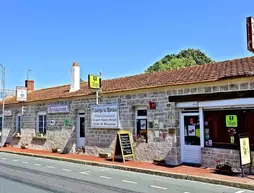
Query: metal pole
{"x": 3, "y": 83}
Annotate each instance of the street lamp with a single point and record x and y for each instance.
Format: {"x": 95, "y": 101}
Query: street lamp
{"x": 3, "y": 95}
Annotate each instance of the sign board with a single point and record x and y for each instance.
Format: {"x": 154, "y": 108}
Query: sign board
{"x": 245, "y": 152}
{"x": 21, "y": 93}
{"x": 123, "y": 146}
{"x": 250, "y": 33}
{"x": 66, "y": 123}
{"x": 58, "y": 109}
{"x": 104, "y": 116}
{"x": 244, "y": 149}
{"x": 94, "y": 81}
{"x": 231, "y": 121}
{"x": 7, "y": 113}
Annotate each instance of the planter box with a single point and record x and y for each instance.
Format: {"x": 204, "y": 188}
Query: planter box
{"x": 140, "y": 140}
{"x": 56, "y": 150}
{"x": 103, "y": 155}
{"x": 40, "y": 137}
{"x": 159, "y": 162}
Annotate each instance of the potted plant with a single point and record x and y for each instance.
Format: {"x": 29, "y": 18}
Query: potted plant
{"x": 56, "y": 150}
{"x": 24, "y": 145}
{"x": 158, "y": 160}
{"x": 224, "y": 167}
{"x": 140, "y": 138}
{"x": 17, "y": 135}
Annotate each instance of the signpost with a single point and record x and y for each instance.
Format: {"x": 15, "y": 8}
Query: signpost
{"x": 123, "y": 146}
{"x": 245, "y": 153}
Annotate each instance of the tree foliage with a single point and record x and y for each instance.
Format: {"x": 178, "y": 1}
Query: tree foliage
{"x": 184, "y": 58}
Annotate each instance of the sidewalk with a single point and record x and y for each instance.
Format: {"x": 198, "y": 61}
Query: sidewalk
{"x": 180, "y": 172}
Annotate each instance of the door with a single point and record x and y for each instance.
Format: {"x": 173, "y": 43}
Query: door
{"x": 81, "y": 130}
{"x": 190, "y": 138}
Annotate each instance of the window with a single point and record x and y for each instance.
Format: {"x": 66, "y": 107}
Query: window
{"x": 18, "y": 123}
{"x": 41, "y": 122}
{"x": 141, "y": 124}
{"x": 220, "y": 132}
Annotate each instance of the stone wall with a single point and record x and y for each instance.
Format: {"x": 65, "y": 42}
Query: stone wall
{"x": 210, "y": 157}
{"x": 163, "y": 142}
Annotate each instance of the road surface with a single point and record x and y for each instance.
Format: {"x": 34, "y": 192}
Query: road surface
{"x": 23, "y": 174}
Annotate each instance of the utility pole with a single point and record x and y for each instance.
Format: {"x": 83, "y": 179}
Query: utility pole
{"x": 3, "y": 101}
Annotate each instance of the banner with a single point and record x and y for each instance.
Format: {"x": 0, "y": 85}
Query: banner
{"x": 94, "y": 81}
{"x": 104, "y": 116}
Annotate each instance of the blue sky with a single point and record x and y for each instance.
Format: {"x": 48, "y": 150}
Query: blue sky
{"x": 120, "y": 37}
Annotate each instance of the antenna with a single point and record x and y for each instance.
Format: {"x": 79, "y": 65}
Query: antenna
{"x": 28, "y": 73}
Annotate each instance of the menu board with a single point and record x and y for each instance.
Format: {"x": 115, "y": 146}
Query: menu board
{"x": 244, "y": 150}
{"x": 123, "y": 146}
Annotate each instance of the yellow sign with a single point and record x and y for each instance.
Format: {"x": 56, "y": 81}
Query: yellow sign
{"x": 197, "y": 132}
{"x": 231, "y": 121}
{"x": 94, "y": 81}
{"x": 245, "y": 150}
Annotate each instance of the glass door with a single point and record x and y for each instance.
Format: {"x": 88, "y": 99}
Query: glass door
{"x": 190, "y": 138}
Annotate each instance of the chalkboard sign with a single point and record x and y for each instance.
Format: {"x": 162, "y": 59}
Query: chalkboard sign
{"x": 123, "y": 146}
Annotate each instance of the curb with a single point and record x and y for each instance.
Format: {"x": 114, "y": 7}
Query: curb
{"x": 141, "y": 170}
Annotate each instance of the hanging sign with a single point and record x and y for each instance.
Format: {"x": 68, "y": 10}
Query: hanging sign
{"x": 123, "y": 146}
{"x": 104, "y": 116}
{"x": 231, "y": 121}
{"x": 21, "y": 93}
{"x": 7, "y": 113}
{"x": 250, "y": 33}
{"x": 94, "y": 81}
{"x": 58, "y": 109}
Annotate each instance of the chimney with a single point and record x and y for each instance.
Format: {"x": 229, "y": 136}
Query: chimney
{"x": 75, "y": 77}
{"x": 29, "y": 85}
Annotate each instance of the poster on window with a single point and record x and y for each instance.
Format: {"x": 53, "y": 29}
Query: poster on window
{"x": 104, "y": 116}
{"x": 191, "y": 130}
{"x": 231, "y": 121}
{"x": 142, "y": 124}
{"x": 245, "y": 150}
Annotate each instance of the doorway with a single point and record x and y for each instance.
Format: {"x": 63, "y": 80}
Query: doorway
{"x": 190, "y": 138}
{"x": 81, "y": 130}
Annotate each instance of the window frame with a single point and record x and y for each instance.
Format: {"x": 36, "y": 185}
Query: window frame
{"x": 226, "y": 145}
{"x": 42, "y": 113}
{"x": 18, "y": 130}
{"x": 140, "y": 118}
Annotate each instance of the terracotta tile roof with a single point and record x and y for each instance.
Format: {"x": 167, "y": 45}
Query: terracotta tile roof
{"x": 189, "y": 75}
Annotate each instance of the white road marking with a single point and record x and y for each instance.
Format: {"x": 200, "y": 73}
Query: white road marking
{"x": 25, "y": 162}
{"x": 127, "y": 181}
{"x": 106, "y": 177}
{"x": 66, "y": 170}
{"x": 37, "y": 164}
{"x": 158, "y": 187}
{"x": 240, "y": 191}
{"x": 50, "y": 167}
{"x": 186, "y": 192}
{"x": 3, "y": 158}
{"x": 85, "y": 173}
{"x": 38, "y": 158}
{"x": 15, "y": 160}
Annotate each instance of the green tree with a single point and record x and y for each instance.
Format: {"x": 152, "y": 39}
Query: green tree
{"x": 184, "y": 58}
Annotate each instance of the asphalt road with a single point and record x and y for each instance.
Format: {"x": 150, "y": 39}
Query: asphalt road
{"x": 23, "y": 174}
